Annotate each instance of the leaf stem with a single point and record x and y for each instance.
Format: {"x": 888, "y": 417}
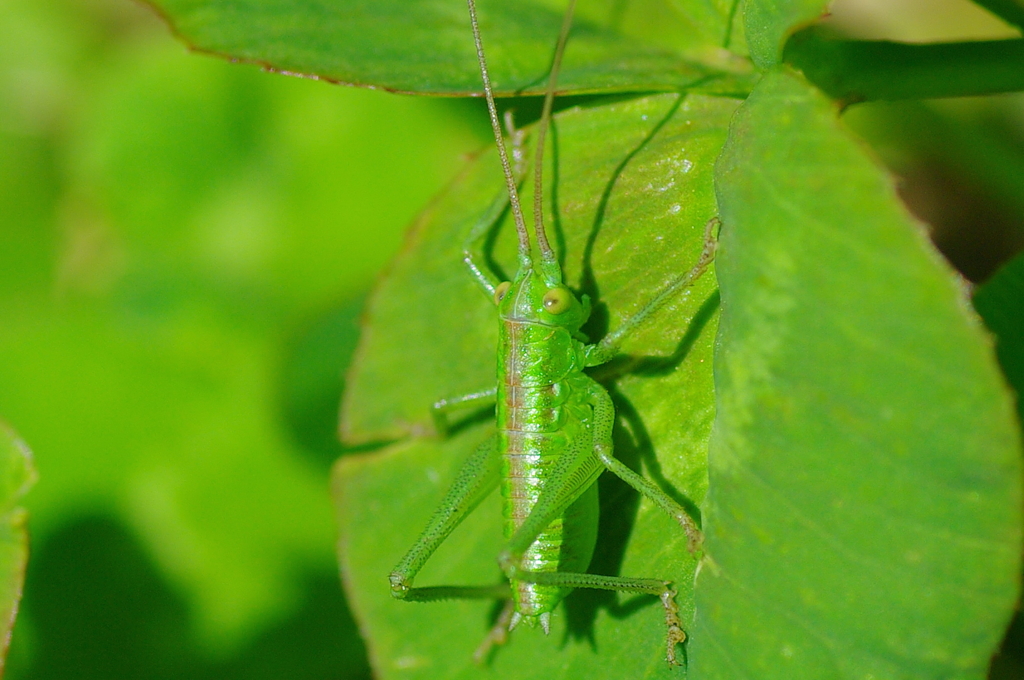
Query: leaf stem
{"x": 858, "y": 70}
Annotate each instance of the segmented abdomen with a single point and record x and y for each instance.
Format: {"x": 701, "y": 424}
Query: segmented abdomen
{"x": 540, "y": 415}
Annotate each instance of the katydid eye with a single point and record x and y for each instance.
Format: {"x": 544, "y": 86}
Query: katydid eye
{"x": 499, "y": 292}
{"x": 557, "y": 300}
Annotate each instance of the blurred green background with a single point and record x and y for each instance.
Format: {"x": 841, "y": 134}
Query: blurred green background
{"x": 185, "y": 245}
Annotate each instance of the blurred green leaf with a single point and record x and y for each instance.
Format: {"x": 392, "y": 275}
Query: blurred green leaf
{"x": 17, "y": 474}
{"x": 769, "y": 23}
{"x": 26, "y": 207}
{"x": 864, "y": 512}
{"x": 99, "y": 608}
{"x": 312, "y": 379}
{"x": 161, "y": 247}
{"x": 1011, "y": 11}
{"x": 173, "y": 428}
{"x": 425, "y": 46}
{"x": 631, "y": 215}
{"x": 933, "y": 146}
{"x": 1000, "y": 301}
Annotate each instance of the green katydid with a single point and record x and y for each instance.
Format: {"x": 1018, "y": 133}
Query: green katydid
{"x": 554, "y": 423}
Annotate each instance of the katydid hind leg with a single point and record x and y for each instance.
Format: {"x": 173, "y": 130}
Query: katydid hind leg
{"x": 577, "y": 470}
{"x": 662, "y": 589}
{"x": 476, "y": 479}
{"x": 604, "y": 420}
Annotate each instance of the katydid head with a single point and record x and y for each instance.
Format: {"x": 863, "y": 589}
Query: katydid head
{"x": 537, "y": 295}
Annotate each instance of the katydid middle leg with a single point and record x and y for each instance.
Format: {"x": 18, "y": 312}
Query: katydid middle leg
{"x": 442, "y": 407}
{"x": 604, "y": 419}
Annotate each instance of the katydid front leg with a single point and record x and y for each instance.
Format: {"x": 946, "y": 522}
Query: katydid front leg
{"x": 606, "y": 350}
{"x": 473, "y": 248}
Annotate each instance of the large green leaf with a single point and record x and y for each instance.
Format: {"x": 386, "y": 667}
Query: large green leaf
{"x": 17, "y": 475}
{"x": 631, "y": 215}
{"x": 425, "y": 46}
{"x": 864, "y": 512}
{"x": 769, "y": 23}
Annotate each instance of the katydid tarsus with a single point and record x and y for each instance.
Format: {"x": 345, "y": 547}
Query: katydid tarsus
{"x": 554, "y": 422}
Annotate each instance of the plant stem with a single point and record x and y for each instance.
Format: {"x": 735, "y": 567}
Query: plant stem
{"x": 857, "y": 70}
